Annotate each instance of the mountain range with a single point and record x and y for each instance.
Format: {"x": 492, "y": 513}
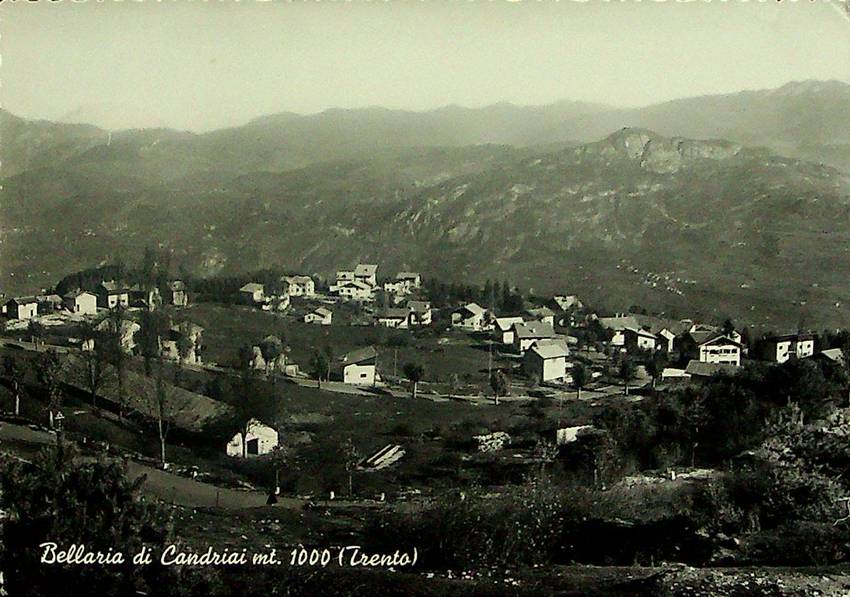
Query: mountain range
{"x": 734, "y": 205}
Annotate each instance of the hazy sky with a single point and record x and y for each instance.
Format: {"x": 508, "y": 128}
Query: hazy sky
{"x": 199, "y": 65}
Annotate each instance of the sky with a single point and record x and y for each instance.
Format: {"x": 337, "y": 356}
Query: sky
{"x": 205, "y": 65}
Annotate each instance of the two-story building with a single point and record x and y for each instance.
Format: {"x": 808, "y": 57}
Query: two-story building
{"x": 779, "y": 349}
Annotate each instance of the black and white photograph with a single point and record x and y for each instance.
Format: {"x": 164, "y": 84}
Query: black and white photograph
{"x": 472, "y": 298}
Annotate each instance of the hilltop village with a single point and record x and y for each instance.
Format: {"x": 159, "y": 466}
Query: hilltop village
{"x": 384, "y": 392}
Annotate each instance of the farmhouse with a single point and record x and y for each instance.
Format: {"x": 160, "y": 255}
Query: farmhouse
{"x": 618, "y": 324}
{"x": 111, "y": 295}
{"x": 366, "y": 273}
{"x": 544, "y": 314}
{"x": 781, "y": 348}
{"x": 320, "y": 316}
{"x": 565, "y": 302}
{"x": 276, "y": 302}
{"x": 81, "y": 301}
{"x": 48, "y": 303}
{"x": 527, "y": 333}
{"x": 504, "y": 329}
{"x": 355, "y": 291}
{"x": 411, "y": 279}
{"x": 711, "y": 347}
{"x": 261, "y": 439}
{"x": 394, "y": 318}
{"x": 420, "y": 313}
{"x": 298, "y": 286}
{"x": 175, "y": 294}
{"x": 635, "y": 338}
{"x": 252, "y": 293}
{"x": 358, "y": 366}
{"x": 24, "y": 307}
{"x": 470, "y": 317}
{"x": 546, "y": 361}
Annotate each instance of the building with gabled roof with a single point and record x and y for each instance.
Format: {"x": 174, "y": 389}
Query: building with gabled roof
{"x": 780, "y": 349}
{"x": 545, "y": 361}
{"x": 503, "y": 329}
{"x": 261, "y": 439}
{"x": 358, "y": 366}
{"x": 253, "y": 293}
{"x": 529, "y": 332}
{"x": 420, "y": 313}
{"x": 320, "y": 316}
{"x": 366, "y": 273}
{"x": 471, "y": 317}
{"x": 82, "y": 302}
{"x": 298, "y": 286}
{"x": 22, "y": 307}
{"x": 111, "y": 295}
{"x": 394, "y": 317}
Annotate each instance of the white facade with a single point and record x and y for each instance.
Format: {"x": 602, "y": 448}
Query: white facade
{"x": 299, "y": 286}
{"x": 253, "y": 292}
{"x": 261, "y": 439}
{"x": 84, "y": 303}
{"x": 546, "y": 361}
{"x": 470, "y": 317}
{"x": 783, "y": 348}
{"x": 320, "y": 316}
{"x": 359, "y": 374}
{"x": 355, "y": 291}
{"x": 720, "y": 350}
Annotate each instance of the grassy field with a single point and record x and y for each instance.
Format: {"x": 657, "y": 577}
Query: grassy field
{"x": 442, "y": 354}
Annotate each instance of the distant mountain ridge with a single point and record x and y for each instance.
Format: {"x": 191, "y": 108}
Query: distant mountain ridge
{"x": 708, "y": 224}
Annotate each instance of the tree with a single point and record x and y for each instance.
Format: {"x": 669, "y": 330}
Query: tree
{"x": 351, "y": 457}
{"x": 153, "y": 326}
{"x": 272, "y": 349}
{"x": 15, "y": 373}
{"x": 62, "y": 499}
{"x": 627, "y": 372}
{"x": 250, "y": 403}
{"x": 580, "y": 378}
{"x": 414, "y": 372}
{"x": 454, "y": 384}
{"x": 163, "y": 409}
{"x": 49, "y": 370}
{"x": 655, "y": 365}
{"x": 115, "y": 352}
{"x": 319, "y": 366}
{"x": 94, "y": 362}
{"x": 35, "y": 331}
{"x": 499, "y": 384}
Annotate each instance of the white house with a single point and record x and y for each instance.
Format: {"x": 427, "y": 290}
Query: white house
{"x": 298, "y": 286}
{"x": 261, "y": 439}
{"x": 567, "y": 301}
{"x": 394, "y": 318}
{"x": 639, "y": 339}
{"x": 529, "y": 332}
{"x": 111, "y": 295}
{"x": 396, "y": 287}
{"x": 618, "y": 324}
{"x": 470, "y": 317}
{"x": 366, "y": 273}
{"x": 411, "y": 279}
{"x": 253, "y": 293}
{"x": 546, "y": 361}
{"x": 276, "y": 302}
{"x": 781, "y": 348}
{"x": 24, "y": 307}
{"x": 712, "y": 347}
{"x": 81, "y": 301}
{"x": 544, "y": 314}
{"x": 358, "y": 366}
{"x": 343, "y": 276}
{"x": 355, "y": 291}
{"x": 420, "y": 313}
{"x": 504, "y": 329}
{"x": 187, "y": 332}
{"x": 320, "y": 316}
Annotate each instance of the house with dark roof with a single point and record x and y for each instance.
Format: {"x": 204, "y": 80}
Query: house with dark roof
{"x": 528, "y": 332}
{"x": 22, "y": 307}
{"x": 779, "y": 349}
{"x": 544, "y": 314}
{"x": 546, "y": 361}
{"x": 472, "y": 317}
{"x": 358, "y": 366}
{"x": 394, "y": 317}
{"x": 701, "y": 370}
{"x": 639, "y": 339}
{"x": 420, "y": 313}
{"x": 110, "y": 295}
{"x": 711, "y": 347}
{"x": 176, "y": 294}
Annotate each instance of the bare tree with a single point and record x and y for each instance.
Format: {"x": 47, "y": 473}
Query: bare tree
{"x": 15, "y": 373}
{"x": 351, "y": 457}
{"x": 93, "y": 363}
{"x": 117, "y": 356}
{"x": 163, "y": 409}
